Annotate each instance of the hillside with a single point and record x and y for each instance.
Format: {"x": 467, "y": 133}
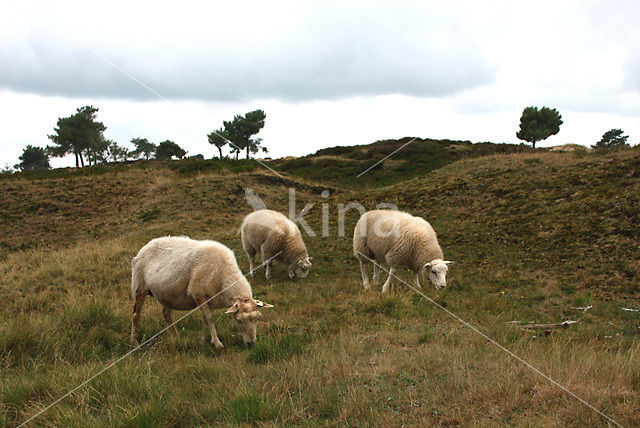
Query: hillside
{"x": 533, "y": 234}
{"x": 411, "y": 157}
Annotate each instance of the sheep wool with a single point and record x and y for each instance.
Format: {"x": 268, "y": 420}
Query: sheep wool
{"x": 400, "y": 240}
{"x": 274, "y": 236}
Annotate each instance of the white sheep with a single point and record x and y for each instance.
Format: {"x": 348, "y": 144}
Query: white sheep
{"x": 273, "y": 234}
{"x": 183, "y": 274}
{"x": 399, "y": 239}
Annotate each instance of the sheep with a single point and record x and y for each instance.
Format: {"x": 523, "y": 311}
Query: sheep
{"x": 273, "y": 234}
{"x": 399, "y": 239}
{"x": 183, "y": 274}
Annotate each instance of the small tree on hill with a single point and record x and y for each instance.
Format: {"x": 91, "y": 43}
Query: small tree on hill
{"x": 612, "y": 138}
{"x": 219, "y": 139}
{"x": 143, "y": 148}
{"x": 33, "y": 158}
{"x": 168, "y": 149}
{"x": 116, "y": 153}
{"x": 240, "y": 130}
{"x": 538, "y": 124}
{"x": 79, "y": 134}
{"x": 97, "y": 152}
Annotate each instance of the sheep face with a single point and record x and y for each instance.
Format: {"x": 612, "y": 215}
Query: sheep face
{"x": 436, "y": 271}
{"x": 300, "y": 269}
{"x": 246, "y": 313}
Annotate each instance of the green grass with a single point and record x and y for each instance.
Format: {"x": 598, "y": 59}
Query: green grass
{"x": 274, "y": 349}
{"x": 339, "y": 165}
{"x": 532, "y": 234}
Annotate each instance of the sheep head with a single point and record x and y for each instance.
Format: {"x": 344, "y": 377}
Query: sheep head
{"x": 436, "y": 270}
{"x": 246, "y": 313}
{"x": 300, "y": 269}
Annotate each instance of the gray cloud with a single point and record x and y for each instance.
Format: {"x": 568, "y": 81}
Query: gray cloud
{"x": 388, "y": 50}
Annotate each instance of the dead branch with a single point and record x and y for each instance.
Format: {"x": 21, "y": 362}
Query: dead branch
{"x": 546, "y": 326}
{"x": 586, "y": 308}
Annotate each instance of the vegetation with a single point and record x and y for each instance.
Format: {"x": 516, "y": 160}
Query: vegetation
{"x": 533, "y": 234}
{"x": 239, "y": 132}
{"x": 168, "y": 149}
{"x": 339, "y": 165}
{"x": 538, "y": 124}
{"x": 143, "y": 148}
{"x": 219, "y": 139}
{"x": 612, "y": 138}
{"x": 79, "y": 134}
{"x": 33, "y": 158}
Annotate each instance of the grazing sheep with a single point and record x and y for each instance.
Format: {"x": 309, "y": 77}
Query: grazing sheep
{"x": 399, "y": 239}
{"x": 271, "y": 233}
{"x": 183, "y": 274}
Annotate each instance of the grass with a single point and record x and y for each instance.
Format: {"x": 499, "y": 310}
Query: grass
{"x": 532, "y": 234}
{"x": 411, "y": 158}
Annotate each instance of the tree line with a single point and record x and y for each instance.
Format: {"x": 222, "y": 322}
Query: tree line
{"x": 82, "y": 136}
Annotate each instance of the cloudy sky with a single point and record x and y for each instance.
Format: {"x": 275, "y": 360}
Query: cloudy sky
{"x": 326, "y": 73}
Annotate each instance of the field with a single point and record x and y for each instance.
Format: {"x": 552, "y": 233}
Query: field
{"x": 534, "y": 234}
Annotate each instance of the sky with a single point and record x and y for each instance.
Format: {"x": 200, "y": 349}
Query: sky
{"x": 326, "y": 73}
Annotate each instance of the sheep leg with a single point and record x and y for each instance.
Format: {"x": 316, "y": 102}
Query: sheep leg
{"x": 365, "y": 276}
{"x": 203, "y": 331}
{"x": 251, "y": 264}
{"x": 206, "y": 314}
{"x": 376, "y": 273}
{"x": 251, "y": 254}
{"x": 385, "y": 287}
{"x": 417, "y": 280}
{"x": 137, "y": 311}
{"x": 167, "y": 316}
{"x": 267, "y": 266}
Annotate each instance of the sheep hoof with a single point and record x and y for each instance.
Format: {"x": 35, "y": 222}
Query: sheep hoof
{"x": 217, "y": 345}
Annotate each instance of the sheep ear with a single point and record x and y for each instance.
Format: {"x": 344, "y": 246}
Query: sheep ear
{"x": 428, "y": 264}
{"x": 261, "y": 304}
{"x": 310, "y": 258}
{"x": 233, "y": 309}
{"x": 447, "y": 262}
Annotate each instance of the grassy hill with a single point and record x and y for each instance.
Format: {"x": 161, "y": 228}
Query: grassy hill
{"x": 411, "y": 157}
{"x": 533, "y": 233}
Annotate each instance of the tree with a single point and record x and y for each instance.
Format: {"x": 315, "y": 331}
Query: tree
{"x": 33, "y": 158}
{"x": 255, "y": 145}
{"x": 612, "y": 138}
{"x": 219, "y": 139}
{"x": 537, "y": 125}
{"x": 143, "y": 148}
{"x": 240, "y": 130}
{"x": 235, "y": 150}
{"x": 167, "y": 149}
{"x": 79, "y": 134}
{"x": 97, "y": 151}
{"x": 116, "y": 153}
